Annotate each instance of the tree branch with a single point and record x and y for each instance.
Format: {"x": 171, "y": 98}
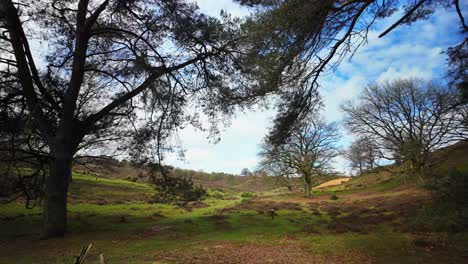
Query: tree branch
{"x": 402, "y": 19}
{"x": 14, "y": 26}
{"x": 460, "y": 15}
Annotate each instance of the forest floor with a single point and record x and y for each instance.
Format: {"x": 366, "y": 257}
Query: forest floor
{"x": 372, "y": 221}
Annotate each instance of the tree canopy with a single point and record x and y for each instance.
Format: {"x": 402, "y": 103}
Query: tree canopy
{"x": 295, "y": 41}
{"x": 116, "y": 74}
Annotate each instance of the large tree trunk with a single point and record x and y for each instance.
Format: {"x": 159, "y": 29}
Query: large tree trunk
{"x": 55, "y": 206}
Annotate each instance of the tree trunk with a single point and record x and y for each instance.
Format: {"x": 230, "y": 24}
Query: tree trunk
{"x": 55, "y": 204}
{"x": 307, "y": 185}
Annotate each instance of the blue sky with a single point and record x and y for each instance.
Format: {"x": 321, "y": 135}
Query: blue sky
{"x": 409, "y": 51}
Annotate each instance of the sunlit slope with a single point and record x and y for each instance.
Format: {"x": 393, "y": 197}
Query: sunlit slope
{"x": 333, "y": 182}
{"x": 389, "y": 177}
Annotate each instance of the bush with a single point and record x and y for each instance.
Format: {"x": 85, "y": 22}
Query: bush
{"x": 246, "y": 200}
{"x": 449, "y": 211}
{"x": 451, "y": 187}
{"x": 216, "y": 194}
{"x": 131, "y": 178}
{"x": 248, "y": 195}
{"x": 440, "y": 217}
{"x": 176, "y": 190}
{"x": 333, "y": 197}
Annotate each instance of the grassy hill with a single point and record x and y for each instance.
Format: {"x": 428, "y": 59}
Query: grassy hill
{"x": 113, "y": 169}
{"x": 369, "y": 219}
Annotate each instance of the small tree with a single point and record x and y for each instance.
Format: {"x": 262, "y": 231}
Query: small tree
{"x": 308, "y": 152}
{"x": 409, "y": 118}
{"x": 363, "y": 154}
{"x": 172, "y": 185}
{"x": 245, "y": 172}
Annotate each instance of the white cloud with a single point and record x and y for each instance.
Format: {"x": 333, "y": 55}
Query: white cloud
{"x": 213, "y": 7}
{"x": 237, "y": 149}
{"x": 336, "y": 90}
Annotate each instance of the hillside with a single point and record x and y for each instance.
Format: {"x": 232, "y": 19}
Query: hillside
{"x": 374, "y": 218}
{"x": 113, "y": 169}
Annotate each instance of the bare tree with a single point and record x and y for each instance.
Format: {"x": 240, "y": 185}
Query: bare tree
{"x": 363, "y": 154}
{"x": 245, "y": 172}
{"x": 409, "y": 117}
{"x": 284, "y": 175}
{"x": 308, "y": 152}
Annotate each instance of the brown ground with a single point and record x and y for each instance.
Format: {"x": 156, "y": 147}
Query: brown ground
{"x": 262, "y": 206}
{"x": 281, "y": 253}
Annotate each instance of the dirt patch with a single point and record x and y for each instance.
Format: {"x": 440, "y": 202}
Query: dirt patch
{"x": 362, "y": 213}
{"x": 358, "y": 223}
{"x": 403, "y": 201}
{"x": 284, "y": 253}
{"x": 192, "y": 205}
{"x": 157, "y": 215}
{"x": 263, "y": 206}
{"x": 310, "y": 229}
{"x": 167, "y": 231}
{"x": 220, "y": 222}
{"x": 331, "y": 210}
{"x": 11, "y": 218}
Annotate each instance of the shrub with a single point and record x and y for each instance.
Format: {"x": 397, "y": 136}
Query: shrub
{"x": 449, "y": 211}
{"x": 310, "y": 229}
{"x": 333, "y": 197}
{"x": 216, "y": 194}
{"x": 246, "y": 200}
{"x": 248, "y": 195}
{"x": 451, "y": 187}
{"x": 176, "y": 190}
{"x": 131, "y": 178}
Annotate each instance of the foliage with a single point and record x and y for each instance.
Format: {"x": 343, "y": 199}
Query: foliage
{"x": 449, "y": 212}
{"x": 246, "y": 200}
{"x": 333, "y": 197}
{"x": 127, "y": 72}
{"x": 172, "y": 189}
{"x": 131, "y": 178}
{"x": 457, "y": 65}
{"x": 130, "y": 72}
{"x": 296, "y": 41}
{"x": 21, "y": 182}
{"x": 248, "y": 195}
{"x": 216, "y": 194}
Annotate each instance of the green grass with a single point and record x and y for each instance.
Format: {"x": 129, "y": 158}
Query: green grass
{"x": 116, "y": 217}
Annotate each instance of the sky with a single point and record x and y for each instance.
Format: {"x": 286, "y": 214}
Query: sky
{"x": 408, "y": 51}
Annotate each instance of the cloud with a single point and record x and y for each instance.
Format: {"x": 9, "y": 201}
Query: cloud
{"x": 213, "y": 7}
{"x": 237, "y": 148}
{"x": 336, "y": 90}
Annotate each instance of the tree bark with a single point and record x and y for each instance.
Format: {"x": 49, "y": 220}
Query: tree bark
{"x": 307, "y": 185}
{"x": 55, "y": 203}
